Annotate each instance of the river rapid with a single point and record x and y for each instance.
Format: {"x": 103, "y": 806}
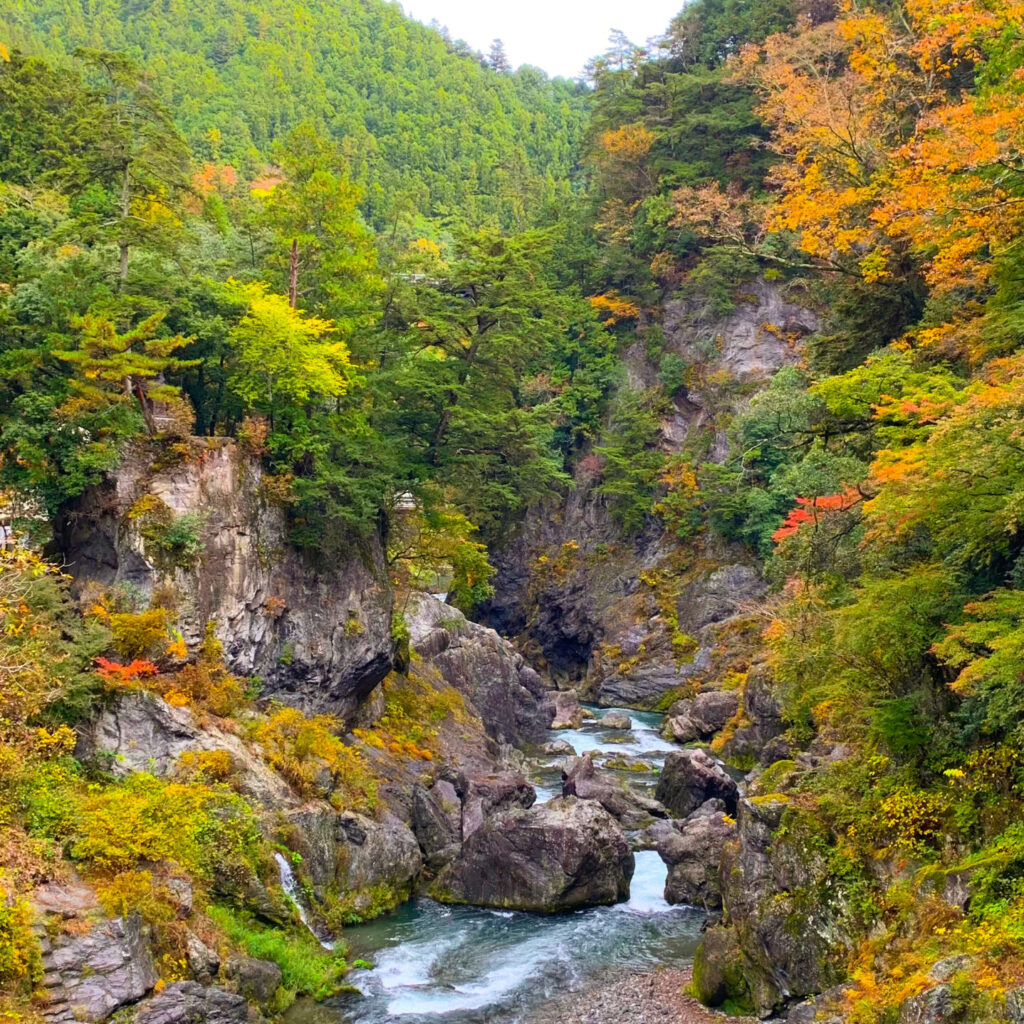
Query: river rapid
{"x": 469, "y": 965}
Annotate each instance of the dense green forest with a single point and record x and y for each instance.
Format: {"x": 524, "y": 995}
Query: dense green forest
{"x": 424, "y": 126}
{"x": 388, "y": 270}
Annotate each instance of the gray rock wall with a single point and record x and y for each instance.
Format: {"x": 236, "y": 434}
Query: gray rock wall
{"x": 318, "y": 636}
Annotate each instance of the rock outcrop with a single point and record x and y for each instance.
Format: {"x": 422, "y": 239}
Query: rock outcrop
{"x": 630, "y": 809}
{"x": 437, "y": 822}
{"x": 351, "y": 853}
{"x": 491, "y": 675}
{"x": 700, "y": 717}
{"x": 561, "y": 855}
{"x": 188, "y": 1002}
{"x": 788, "y": 931}
{"x": 87, "y": 977}
{"x": 760, "y": 737}
{"x": 317, "y": 635}
{"x": 689, "y": 778}
{"x": 140, "y": 732}
{"x": 693, "y": 852}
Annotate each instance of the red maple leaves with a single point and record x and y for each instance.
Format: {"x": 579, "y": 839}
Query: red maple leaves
{"x": 116, "y": 673}
{"x": 811, "y": 510}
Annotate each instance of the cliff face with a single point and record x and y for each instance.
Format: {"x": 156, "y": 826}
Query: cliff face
{"x": 192, "y": 527}
{"x": 629, "y": 619}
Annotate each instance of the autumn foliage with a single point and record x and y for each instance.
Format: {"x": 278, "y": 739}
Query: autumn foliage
{"x": 809, "y": 511}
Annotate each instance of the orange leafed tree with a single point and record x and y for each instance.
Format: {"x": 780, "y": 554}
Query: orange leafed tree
{"x": 888, "y": 156}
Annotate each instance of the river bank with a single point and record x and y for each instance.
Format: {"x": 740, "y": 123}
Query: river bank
{"x": 649, "y": 997}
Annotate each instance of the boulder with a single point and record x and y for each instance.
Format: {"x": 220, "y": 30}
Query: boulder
{"x": 693, "y": 853}
{"x": 316, "y": 632}
{"x": 202, "y": 961}
{"x": 628, "y": 808}
{"x": 187, "y": 1002}
{"x": 87, "y": 977}
{"x": 690, "y": 777}
{"x": 561, "y": 855}
{"x": 702, "y": 716}
{"x": 351, "y": 853}
{"x": 718, "y": 974}
{"x": 935, "y": 1006}
{"x": 372, "y": 853}
{"x": 484, "y": 794}
{"x": 257, "y": 980}
{"x": 487, "y": 670}
{"x": 616, "y": 720}
{"x": 559, "y": 748}
{"x": 568, "y": 713}
{"x": 437, "y": 822}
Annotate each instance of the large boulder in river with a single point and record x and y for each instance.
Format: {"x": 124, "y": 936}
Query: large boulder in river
{"x": 693, "y": 852}
{"x": 315, "y": 629}
{"x": 561, "y": 855}
{"x": 487, "y": 793}
{"x": 690, "y": 777}
{"x": 702, "y": 716}
{"x": 491, "y": 675}
{"x": 628, "y": 808}
{"x": 617, "y": 720}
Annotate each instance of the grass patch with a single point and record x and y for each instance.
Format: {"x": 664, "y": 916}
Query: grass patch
{"x": 307, "y": 969}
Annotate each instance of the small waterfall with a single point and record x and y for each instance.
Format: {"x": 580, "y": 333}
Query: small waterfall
{"x": 292, "y": 891}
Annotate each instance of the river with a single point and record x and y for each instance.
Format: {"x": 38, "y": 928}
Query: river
{"x": 435, "y": 964}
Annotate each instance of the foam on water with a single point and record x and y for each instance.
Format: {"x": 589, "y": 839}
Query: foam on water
{"x": 469, "y": 965}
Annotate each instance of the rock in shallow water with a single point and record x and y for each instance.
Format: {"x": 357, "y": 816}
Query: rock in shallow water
{"x": 561, "y": 855}
{"x": 630, "y": 809}
{"x": 616, "y": 720}
{"x": 568, "y": 713}
{"x": 689, "y": 778}
{"x": 702, "y": 716}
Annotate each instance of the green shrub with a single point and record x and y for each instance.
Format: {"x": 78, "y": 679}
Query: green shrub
{"x": 306, "y": 967}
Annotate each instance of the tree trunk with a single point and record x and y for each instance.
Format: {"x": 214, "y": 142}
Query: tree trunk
{"x": 293, "y": 275}
{"x": 126, "y": 205}
{"x": 147, "y": 411}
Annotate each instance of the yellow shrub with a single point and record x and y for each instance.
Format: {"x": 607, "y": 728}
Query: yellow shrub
{"x": 137, "y": 634}
{"x": 300, "y": 748}
{"x": 208, "y": 687}
{"x": 204, "y": 830}
{"x": 20, "y": 957}
{"x": 134, "y": 892}
{"x": 208, "y": 765}
{"x": 910, "y": 821}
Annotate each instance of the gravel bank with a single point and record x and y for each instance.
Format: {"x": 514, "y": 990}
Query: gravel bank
{"x": 657, "y": 997}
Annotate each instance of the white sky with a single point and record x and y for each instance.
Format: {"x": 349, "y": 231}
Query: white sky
{"x": 559, "y": 36}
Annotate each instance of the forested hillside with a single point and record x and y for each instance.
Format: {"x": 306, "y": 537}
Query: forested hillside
{"x": 704, "y": 386}
{"x": 423, "y": 126}
{"x": 868, "y": 162}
